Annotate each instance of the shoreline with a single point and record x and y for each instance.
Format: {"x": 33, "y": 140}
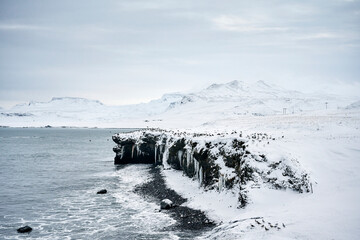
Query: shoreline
{"x": 69, "y": 127}
{"x": 193, "y": 221}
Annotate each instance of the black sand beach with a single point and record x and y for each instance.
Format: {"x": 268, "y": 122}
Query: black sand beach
{"x": 188, "y": 219}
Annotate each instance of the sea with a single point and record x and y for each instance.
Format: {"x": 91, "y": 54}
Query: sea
{"x": 49, "y": 178}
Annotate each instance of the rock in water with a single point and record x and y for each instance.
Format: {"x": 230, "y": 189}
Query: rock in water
{"x": 166, "y": 204}
{"x": 102, "y": 191}
{"x": 25, "y": 229}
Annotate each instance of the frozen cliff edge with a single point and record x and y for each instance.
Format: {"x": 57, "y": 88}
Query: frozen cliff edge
{"x": 218, "y": 162}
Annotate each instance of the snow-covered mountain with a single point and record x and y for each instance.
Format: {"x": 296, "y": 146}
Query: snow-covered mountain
{"x": 218, "y": 101}
{"x": 259, "y": 98}
{"x": 355, "y": 105}
{"x": 58, "y": 104}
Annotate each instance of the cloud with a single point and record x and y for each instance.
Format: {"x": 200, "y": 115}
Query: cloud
{"x": 20, "y": 27}
{"x": 47, "y": 46}
{"x": 147, "y": 5}
{"x": 318, "y": 36}
{"x": 237, "y": 24}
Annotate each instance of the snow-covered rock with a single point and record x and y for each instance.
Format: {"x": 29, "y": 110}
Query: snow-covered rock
{"x": 166, "y": 204}
{"x": 217, "y": 161}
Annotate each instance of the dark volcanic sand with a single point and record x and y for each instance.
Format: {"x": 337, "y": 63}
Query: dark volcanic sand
{"x": 188, "y": 219}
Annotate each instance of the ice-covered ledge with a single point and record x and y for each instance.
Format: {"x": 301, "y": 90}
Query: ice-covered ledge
{"x": 218, "y": 161}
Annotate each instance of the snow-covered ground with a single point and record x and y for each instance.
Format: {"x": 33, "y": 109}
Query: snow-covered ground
{"x": 322, "y": 132}
{"x": 327, "y": 146}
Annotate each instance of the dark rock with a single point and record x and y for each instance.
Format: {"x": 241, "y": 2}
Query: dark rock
{"x": 166, "y": 204}
{"x": 131, "y": 151}
{"x": 103, "y": 191}
{"x": 25, "y": 229}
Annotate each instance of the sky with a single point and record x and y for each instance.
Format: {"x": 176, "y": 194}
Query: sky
{"x": 131, "y": 51}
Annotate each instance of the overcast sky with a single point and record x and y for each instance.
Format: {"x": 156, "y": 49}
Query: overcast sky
{"x": 122, "y": 52}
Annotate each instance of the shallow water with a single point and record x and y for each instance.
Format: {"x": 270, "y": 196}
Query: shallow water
{"x": 49, "y": 179}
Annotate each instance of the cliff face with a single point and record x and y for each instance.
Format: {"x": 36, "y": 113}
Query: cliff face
{"x": 220, "y": 161}
{"x": 131, "y": 150}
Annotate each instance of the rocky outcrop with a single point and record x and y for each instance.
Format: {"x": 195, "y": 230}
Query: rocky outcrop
{"x": 217, "y": 161}
{"x": 131, "y": 150}
{"x": 25, "y": 229}
{"x": 102, "y": 191}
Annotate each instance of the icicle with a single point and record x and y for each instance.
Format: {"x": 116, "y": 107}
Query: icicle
{"x": 132, "y": 151}
{"x": 155, "y": 152}
{"x": 196, "y": 168}
{"x": 221, "y": 182}
{"x": 165, "y": 157}
{"x": 201, "y": 175}
{"x": 180, "y": 153}
{"x": 188, "y": 156}
{"x": 161, "y": 153}
{"x": 138, "y": 152}
{"x": 122, "y": 151}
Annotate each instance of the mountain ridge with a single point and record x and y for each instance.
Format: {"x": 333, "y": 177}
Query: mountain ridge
{"x": 226, "y": 100}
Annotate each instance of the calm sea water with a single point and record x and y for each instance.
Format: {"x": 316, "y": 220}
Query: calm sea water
{"x": 49, "y": 179}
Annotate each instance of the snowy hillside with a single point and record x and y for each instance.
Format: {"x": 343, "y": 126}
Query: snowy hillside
{"x": 216, "y": 102}
{"x": 58, "y": 105}
{"x": 80, "y": 112}
{"x": 258, "y": 98}
{"x": 354, "y": 106}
